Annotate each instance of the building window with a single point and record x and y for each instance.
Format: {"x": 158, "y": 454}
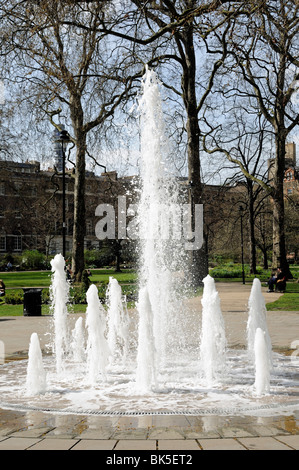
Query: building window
{"x": 290, "y": 191}
{"x": 2, "y": 189}
{"x": 17, "y": 243}
{"x": 2, "y": 243}
{"x": 89, "y": 227}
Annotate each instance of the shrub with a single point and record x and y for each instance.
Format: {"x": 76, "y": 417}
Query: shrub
{"x": 33, "y": 259}
{"x": 78, "y": 295}
{"x": 14, "y": 297}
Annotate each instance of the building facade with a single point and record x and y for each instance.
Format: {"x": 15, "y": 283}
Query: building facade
{"x": 31, "y": 206}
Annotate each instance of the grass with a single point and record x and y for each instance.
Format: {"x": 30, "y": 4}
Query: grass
{"x": 17, "y": 280}
{"x": 17, "y": 310}
{"x": 289, "y": 301}
{"x": 20, "y": 279}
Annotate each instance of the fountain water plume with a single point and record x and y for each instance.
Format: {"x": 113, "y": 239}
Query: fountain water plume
{"x": 146, "y": 374}
{"x": 159, "y": 252}
{"x": 36, "y": 381}
{"x": 262, "y": 363}
{"x": 213, "y": 340}
{"x": 59, "y": 293}
{"x": 97, "y": 347}
{"x": 78, "y": 341}
{"x": 257, "y": 318}
{"x": 118, "y": 321}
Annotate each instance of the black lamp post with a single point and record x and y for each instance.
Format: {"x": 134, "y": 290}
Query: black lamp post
{"x": 242, "y": 250}
{"x": 64, "y": 139}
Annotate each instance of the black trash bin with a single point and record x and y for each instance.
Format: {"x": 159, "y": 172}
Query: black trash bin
{"x": 32, "y": 302}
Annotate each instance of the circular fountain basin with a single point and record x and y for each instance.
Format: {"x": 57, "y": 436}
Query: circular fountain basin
{"x": 179, "y": 389}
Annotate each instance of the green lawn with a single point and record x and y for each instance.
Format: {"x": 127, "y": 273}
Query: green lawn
{"x": 289, "y": 301}
{"x": 17, "y": 310}
{"x": 20, "y": 279}
{"x": 17, "y": 280}
{"x": 127, "y": 278}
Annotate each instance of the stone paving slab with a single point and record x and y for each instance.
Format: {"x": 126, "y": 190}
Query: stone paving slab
{"x": 221, "y": 444}
{"x": 17, "y": 443}
{"x": 95, "y": 444}
{"x": 292, "y": 441}
{"x": 173, "y": 444}
{"x": 246, "y": 443}
{"x": 136, "y": 444}
{"x": 54, "y": 444}
{"x": 263, "y": 443}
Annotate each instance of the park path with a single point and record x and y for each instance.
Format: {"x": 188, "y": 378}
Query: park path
{"x": 283, "y": 327}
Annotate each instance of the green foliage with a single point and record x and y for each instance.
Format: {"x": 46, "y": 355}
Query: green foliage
{"x": 14, "y": 297}
{"x": 33, "y": 259}
{"x": 78, "y": 293}
{"x": 99, "y": 258}
{"x": 231, "y": 270}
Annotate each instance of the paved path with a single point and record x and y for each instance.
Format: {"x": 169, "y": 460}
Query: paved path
{"x": 35, "y": 430}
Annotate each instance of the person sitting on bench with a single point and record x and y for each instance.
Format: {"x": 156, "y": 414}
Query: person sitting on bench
{"x": 2, "y": 288}
{"x": 281, "y": 281}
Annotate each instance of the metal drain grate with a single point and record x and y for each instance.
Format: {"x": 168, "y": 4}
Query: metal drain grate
{"x": 196, "y": 412}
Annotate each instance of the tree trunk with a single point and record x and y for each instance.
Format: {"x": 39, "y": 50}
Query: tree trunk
{"x": 197, "y": 256}
{"x": 79, "y": 211}
{"x": 252, "y": 244}
{"x": 279, "y": 248}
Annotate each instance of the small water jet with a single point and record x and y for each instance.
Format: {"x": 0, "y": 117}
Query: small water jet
{"x": 257, "y": 318}
{"x": 213, "y": 340}
{"x": 36, "y": 381}
{"x": 118, "y": 321}
{"x": 97, "y": 346}
{"x": 59, "y": 293}
{"x": 262, "y": 363}
{"x": 78, "y": 347}
{"x": 146, "y": 378}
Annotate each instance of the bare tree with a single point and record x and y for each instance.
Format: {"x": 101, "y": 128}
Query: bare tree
{"x": 173, "y": 30}
{"x": 262, "y": 60}
{"x": 72, "y": 69}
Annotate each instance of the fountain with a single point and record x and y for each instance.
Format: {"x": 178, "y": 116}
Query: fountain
{"x": 118, "y": 321}
{"x": 257, "y": 319}
{"x": 213, "y": 340}
{"x": 78, "y": 341}
{"x": 97, "y": 345}
{"x": 161, "y": 357}
{"x": 262, "y": 363}
{"x": 36, "y": 382}
{"x": 59, "y": 293}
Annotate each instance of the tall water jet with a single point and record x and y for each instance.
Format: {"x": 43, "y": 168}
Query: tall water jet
{"x": 158, "y": 196}
{"x": 146, "y": 378}
{"x": 97, "y": 346}
{"x": 257, "y": 318}
{"x": 118, "y": 321}
{"x": 213, "y": 340}
{"x": 262, "y": 363}
{"x": 36, "y": 382}
{"x": 59, "y": 294}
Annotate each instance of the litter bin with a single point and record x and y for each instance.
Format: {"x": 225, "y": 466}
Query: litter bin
{"x": 32, "y": 302}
